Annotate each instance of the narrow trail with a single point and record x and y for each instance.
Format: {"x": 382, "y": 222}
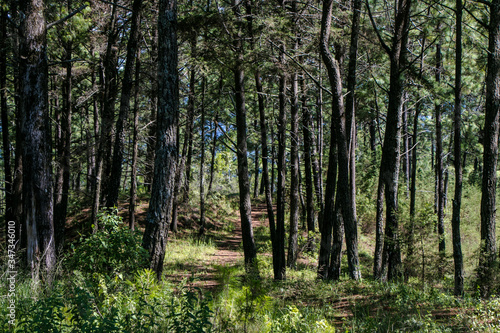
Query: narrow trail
{"x": 229, "y": 249}
{"x": 229, "y": 253}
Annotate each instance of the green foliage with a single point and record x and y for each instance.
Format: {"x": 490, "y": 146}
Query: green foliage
{"x": 113, "y": 249}
{"x": 189, "y": 313}
{"x": 140, "y": 304}
{"x": 484, "y": 317}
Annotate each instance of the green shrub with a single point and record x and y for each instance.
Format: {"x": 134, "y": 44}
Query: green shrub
{"x": 112, "y": 249}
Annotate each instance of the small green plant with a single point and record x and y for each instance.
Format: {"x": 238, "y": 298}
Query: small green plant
{"x": 189, "y": 313}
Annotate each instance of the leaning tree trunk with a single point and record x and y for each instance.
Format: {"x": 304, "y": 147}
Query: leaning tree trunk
{"x": 339, "y": 119}
{"x": 488, "y": 250}
{"x": 37, "y": 178}
{"x": 160, "y": 206}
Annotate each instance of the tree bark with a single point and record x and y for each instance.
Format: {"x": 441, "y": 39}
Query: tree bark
{"x": 488, "y": 249}
{"x": 160, "y": 206}
{"x": 37, "y": 178}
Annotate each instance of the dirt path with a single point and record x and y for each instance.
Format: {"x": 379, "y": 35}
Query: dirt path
{"x": 229, "y": 252}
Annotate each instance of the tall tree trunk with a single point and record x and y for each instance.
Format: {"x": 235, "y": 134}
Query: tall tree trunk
{"x": 294, "y": 175}
{"x": 160, "y": 206}
{"x": 308, "y": 147}
{"x": 135, "y": 142}
{"x": 330, "y": 220}
{"x": 249, "y": 249}
{"x": 256, "y": 165}
{"x": 317, "y": 156}
{"x": 265, "y": 175}
{"x": 151, "y": 138}
{"x": 378, "y": 262}
{"x": 181, "y": 185}
{"x": 110, "y": 86}
{"x": 17, "y": 189}
{"x": 491, "y": 123}
{"x": 406, "y": 151}
{"x": 339, "y": 119}
{"x": 9, "y": 209}
{"x": 439, "y": 163}
{"x": 126, "y": 96}
{"x": 351, "y": 99}
{"x": 202, "y": 159}
{"x": 214, "y": 138}
{"x": 280, "y": 195}
{"x": 64, "y": 153}
{"x": 37, "y": 175}
{"x": 457, "y": 151}
{"x": 389, "y": 168}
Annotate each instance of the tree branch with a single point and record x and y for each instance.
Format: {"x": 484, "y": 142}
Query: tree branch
{"x": 384, "y": 45}
{"x": 301, "y": 67}
{"x": 67, "y": 17}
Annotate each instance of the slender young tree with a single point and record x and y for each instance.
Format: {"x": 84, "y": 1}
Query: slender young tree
{"x": 202, "y": 160}
{"x": 439, "y": 160}
{"x": 135, "y": 143}
{"x": 457, "y": 151}
{"x": 160, "y": 206}
{"x": 280, "y": 190}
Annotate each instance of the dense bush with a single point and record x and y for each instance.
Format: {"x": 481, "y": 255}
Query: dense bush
{"x": 112, "y": 249}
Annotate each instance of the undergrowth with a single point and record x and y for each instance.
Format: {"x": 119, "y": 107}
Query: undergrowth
{"x": 103, "y": 287}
